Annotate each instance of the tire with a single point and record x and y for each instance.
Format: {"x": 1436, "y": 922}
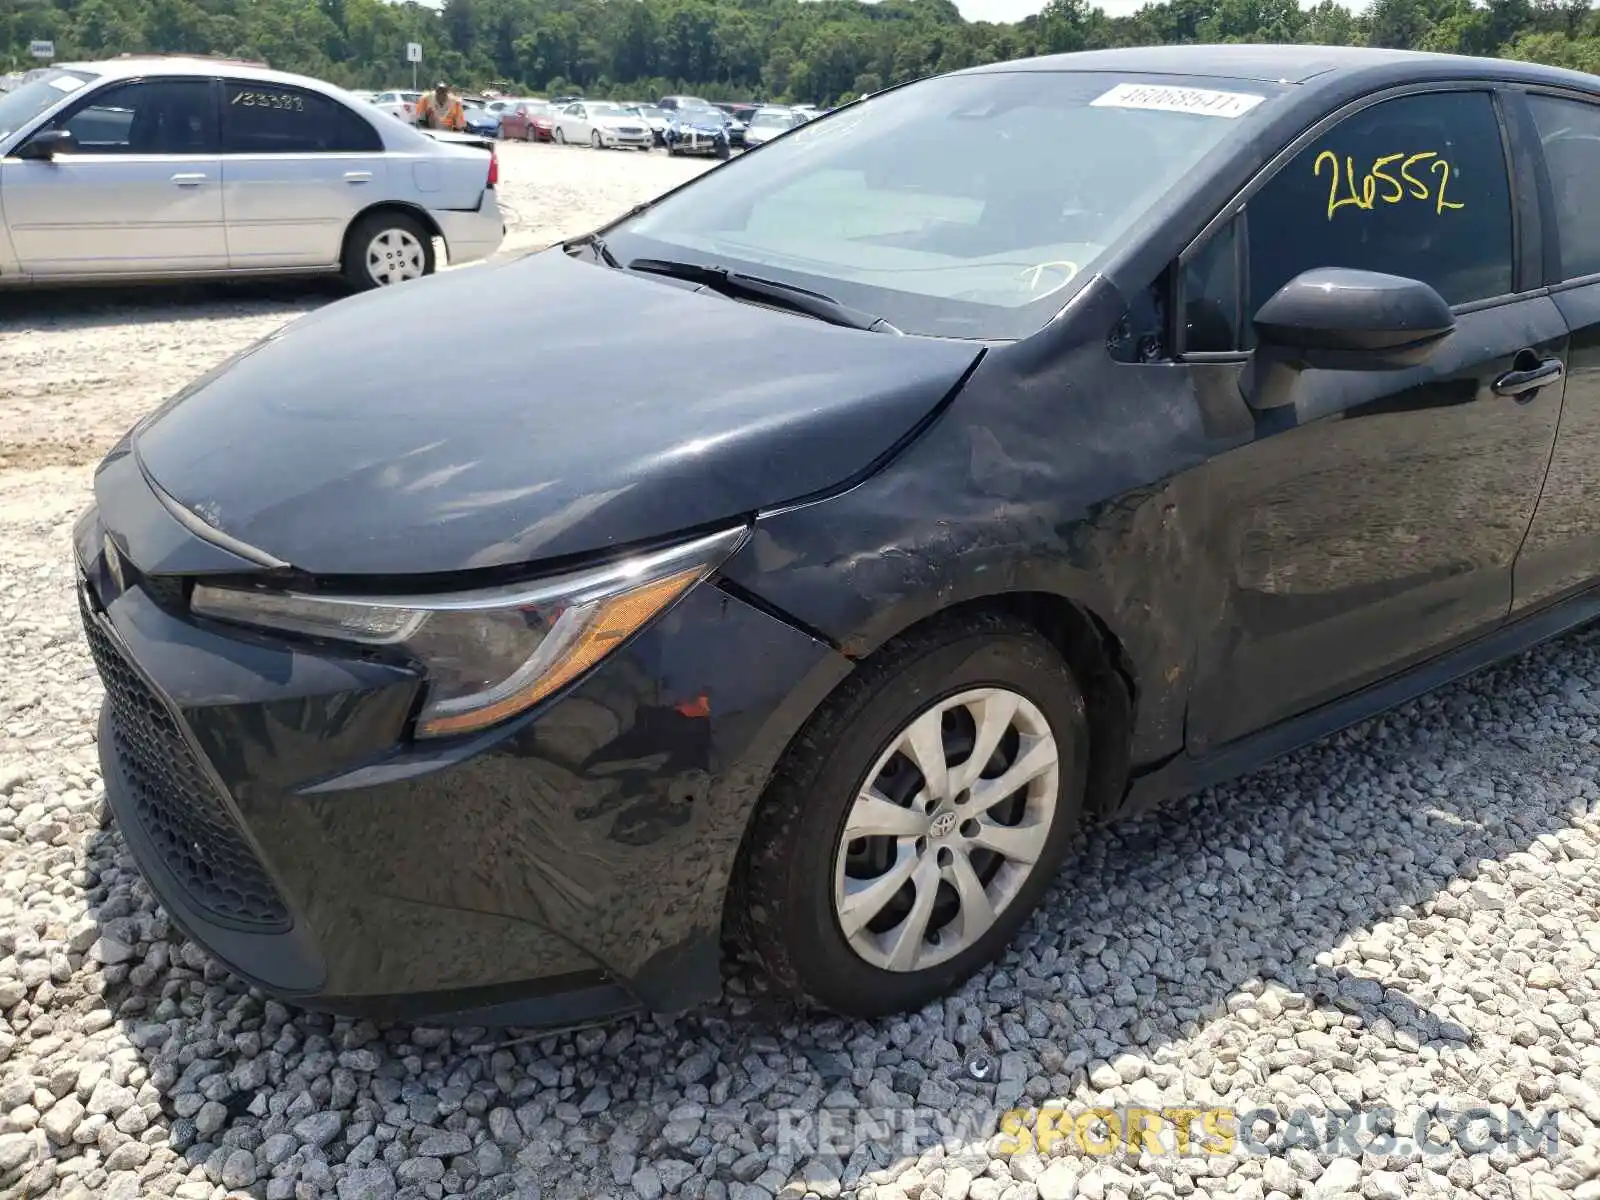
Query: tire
{"x": 408, "y": 236}
{"x": 560, "y": 136}
{"x": 594, "y": 140}
{"x": 785, "y": 905}
{"x": 529, "y": 136}
{"x": 724, "y": 151}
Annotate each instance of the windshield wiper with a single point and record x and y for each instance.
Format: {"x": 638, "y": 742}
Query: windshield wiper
{"x": 767, "y": 291}
{"x": 596, "y": 243}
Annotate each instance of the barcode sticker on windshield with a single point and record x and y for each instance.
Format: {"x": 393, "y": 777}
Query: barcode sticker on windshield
{"x": 1178, "y": 99}
{"x": 66, "y": 83}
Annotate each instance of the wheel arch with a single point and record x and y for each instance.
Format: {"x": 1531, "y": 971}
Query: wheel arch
{"x": 415, "y": 211}
{"x": 1092, "y": 651}
{"x": 1098, "y": 660}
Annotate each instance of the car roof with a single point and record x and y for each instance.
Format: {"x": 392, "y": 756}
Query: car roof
{"x": 1295, "y": 64}
{"x": 176, "y": 64}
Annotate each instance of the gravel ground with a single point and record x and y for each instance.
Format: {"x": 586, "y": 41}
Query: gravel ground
{"x": 1399, "y": 923}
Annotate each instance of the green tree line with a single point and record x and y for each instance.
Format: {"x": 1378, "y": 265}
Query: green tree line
{"x": 822, "y": 51}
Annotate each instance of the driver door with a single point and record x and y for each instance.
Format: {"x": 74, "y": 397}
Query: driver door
{"x": 140, "y": 194}
{"x": 1375, "y": 524}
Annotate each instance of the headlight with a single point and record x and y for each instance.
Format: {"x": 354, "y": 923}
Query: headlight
{"x": 493, "y": 653}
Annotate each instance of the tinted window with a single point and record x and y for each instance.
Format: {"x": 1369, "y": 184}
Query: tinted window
{"x": 162, "y": 116}
{"x": 1570, "y": 132}
{"x": 1415, "y": 186}
{"x": 268, "y": 118}
{"x": 1211, "y": 294}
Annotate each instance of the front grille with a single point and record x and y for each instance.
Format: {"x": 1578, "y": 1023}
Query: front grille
{"x": 177, "y": 806}
{"x": 165, "y": 590}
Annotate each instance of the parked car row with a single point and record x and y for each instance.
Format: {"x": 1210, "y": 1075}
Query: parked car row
{"x": 679, "y": 124}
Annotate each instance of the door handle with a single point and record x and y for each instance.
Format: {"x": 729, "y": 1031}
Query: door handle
{"x": 1522, "y": 383}
{"x": 189, "y": 179}
{"x": 358, "y": 176}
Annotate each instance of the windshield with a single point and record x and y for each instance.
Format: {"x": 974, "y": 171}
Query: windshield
{"x": 651, "y": 112}
{"x": 870, "y": 206}
{"x": 770, "y": 120}
{"x": 602, "y": 109}
{"x": 23, "y": 104}
{"x": 715, "y": 115}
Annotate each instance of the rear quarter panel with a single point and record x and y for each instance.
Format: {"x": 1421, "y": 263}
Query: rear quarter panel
{"x": 463, "y": 172}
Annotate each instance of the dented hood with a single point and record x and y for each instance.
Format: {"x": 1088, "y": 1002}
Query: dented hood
{"x": 539, "y": 408}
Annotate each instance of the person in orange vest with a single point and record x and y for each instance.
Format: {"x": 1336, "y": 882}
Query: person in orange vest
{"x": 441, "y": 110}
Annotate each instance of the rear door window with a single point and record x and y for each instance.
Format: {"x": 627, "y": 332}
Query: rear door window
{"x": 1413, "y": 186}
{"x": 1569, "y": 131}
{"x": 270, "y": 118}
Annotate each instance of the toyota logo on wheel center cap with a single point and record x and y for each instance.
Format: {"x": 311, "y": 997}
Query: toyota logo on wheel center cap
{"x": 942, "y": 824}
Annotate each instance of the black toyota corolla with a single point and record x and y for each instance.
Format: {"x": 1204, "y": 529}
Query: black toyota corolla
{"x": 853, "y": 524}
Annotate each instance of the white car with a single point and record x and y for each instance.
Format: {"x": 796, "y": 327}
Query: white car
{"x": 768, "y": 123}
{"x": 603, "y": 125}
{"x": 166, "y": 168}
{"x": 401, "y": 105}
{"x": 657, "y": 119}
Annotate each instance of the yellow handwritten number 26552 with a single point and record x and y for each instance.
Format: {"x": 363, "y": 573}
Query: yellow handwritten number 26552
{"x": 1380, "y": 175}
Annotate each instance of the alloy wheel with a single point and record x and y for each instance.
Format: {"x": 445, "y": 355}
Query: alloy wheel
{"x": 946, "y": 829}
{"x": 394, "y": 256}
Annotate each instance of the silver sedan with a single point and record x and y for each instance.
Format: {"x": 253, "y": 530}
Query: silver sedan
{"x": 180, "y": 167}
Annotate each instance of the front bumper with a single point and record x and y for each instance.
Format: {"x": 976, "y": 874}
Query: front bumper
{"x": 613, "y": 140}
{"x": 689, "y": 141}
{"x": 566, "y": 867}
{"x": 474, "y": 234}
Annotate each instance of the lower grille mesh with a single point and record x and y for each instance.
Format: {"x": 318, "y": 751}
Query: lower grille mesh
{"x": 176, "y": 804}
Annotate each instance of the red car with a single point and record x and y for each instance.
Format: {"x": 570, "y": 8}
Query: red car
{"x": 529, "y": 121}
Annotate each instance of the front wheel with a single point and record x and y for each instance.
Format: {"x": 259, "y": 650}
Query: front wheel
{"x": 724, "y": 151}
{"x": 386, "y": 248}
{"x": 917, "y": 819}
{"x": 529, "y": 136}
{"x": 560, "y": 136}
{"x": 594, "y": 140}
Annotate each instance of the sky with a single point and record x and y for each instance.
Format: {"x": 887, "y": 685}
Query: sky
{"x": 1015, "y": 10}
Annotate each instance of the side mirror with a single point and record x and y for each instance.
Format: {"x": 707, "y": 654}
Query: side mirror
{"x": 47, "y": 144}
{"x": 1341, "y": 320}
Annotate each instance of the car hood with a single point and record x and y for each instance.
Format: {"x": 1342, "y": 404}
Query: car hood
{"x": 369, "y": 438}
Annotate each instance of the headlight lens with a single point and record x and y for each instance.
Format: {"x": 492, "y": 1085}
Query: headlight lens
{"x": 493, "y": 653}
